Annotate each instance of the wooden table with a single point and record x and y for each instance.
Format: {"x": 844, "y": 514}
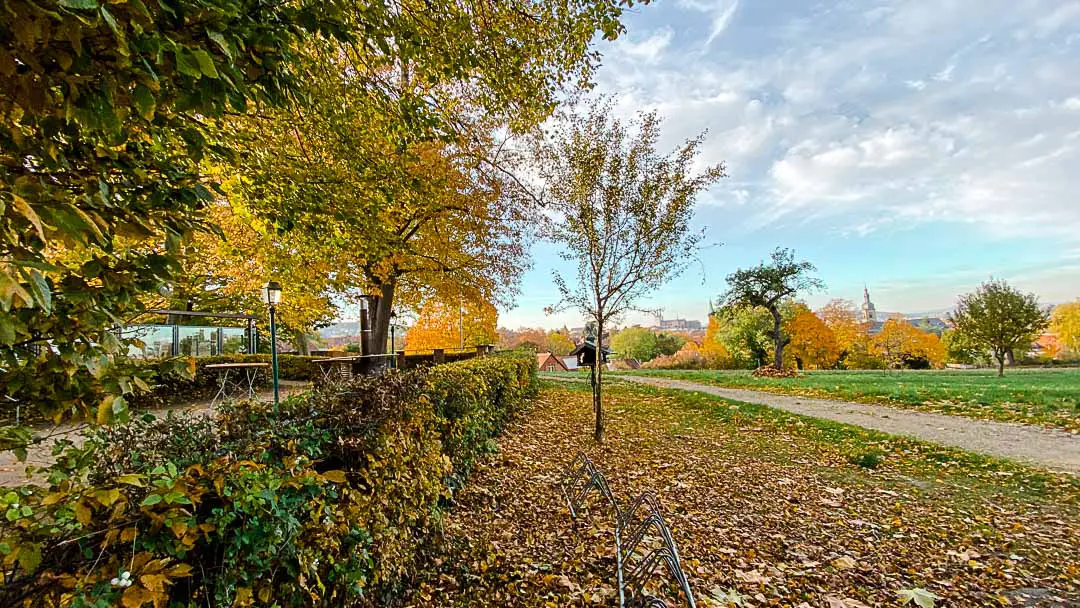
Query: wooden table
{"x": 225, "y": 370}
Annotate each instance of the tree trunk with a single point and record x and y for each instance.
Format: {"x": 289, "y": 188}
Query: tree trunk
{"x": 379, "y": 318}
{"x": 1001, "y": 366}
{"x": 778, "y": 338}
{"x": 598, "y": 365}
{"x": 303, "y": 346}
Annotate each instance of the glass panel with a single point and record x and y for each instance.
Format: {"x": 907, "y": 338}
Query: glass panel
{"x": 198, "y": 341}
{"x": 157, "y": 341}
{"x": 234, "y": 340}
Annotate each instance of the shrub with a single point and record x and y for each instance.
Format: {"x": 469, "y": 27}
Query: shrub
{"x": 326, "y": 500}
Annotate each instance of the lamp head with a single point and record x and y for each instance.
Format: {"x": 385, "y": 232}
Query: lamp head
{"x": 271, "y": 293}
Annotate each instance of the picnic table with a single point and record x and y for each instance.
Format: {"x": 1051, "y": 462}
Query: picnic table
{"x": 229, "y": 377}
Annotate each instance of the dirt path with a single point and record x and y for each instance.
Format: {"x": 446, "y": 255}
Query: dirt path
{"x": 1053, "y": 449}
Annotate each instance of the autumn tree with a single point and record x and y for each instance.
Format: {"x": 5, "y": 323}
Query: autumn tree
{"x": 901, "y": 344}
{"x": 109, "y": 113}
{"x": 842, "y": 318}
{"x": 558, "y": 342}
{"x": 622, "y": 212}
{"x": 766, "y": 286}
{"x": 398, "y": 155}
{"x": 634, "y": 342}
{"x": 224, "y": 270}
{"x": 813, "y": 344}
{"x": 1065, "y": 322}
{"x": 452, "y": 326}
{"x": 999, "y": 318}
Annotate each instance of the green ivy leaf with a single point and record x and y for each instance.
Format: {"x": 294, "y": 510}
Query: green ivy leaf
{"x": 144, "y": 101}
{"x": 152, "y": 499}
{"x": 221, "y": 42}
{"x": 206, "y": 63}
{"x": 187, "y": 64}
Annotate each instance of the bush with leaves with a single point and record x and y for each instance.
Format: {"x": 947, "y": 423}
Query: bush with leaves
{"x": 326, "y": 500}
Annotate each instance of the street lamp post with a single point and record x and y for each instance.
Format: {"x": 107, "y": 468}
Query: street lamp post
{"x": 272, "y": 295}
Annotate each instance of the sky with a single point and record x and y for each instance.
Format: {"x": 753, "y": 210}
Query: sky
{"x": 915, "y": 147}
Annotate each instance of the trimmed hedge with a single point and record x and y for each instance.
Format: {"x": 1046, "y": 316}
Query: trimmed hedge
{"x": 329, "y": 500}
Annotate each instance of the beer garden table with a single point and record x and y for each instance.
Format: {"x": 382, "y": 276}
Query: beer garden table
{"x": 238, "y": 383}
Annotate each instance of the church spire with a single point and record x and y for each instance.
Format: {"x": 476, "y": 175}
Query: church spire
{"x": 869, "y": 314}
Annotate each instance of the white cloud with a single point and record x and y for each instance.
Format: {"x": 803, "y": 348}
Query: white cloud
{"x": 720, "y": 11}
{"x": 648, "y": 50}
{"x": 906, "y": 112}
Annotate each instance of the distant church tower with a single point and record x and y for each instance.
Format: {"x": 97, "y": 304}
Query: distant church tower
{"x": 869, "y": 314}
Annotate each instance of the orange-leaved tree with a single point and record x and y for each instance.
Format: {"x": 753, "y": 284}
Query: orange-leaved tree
{"x": 813, "y": 344}
{"x": 841, "y": 317}
{"x": 450, "y": 326}
{"x": 902, "y": 344}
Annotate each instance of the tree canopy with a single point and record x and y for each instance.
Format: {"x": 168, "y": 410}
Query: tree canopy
{"x": 999, "y": 318}
{"x": 766, "y": 286}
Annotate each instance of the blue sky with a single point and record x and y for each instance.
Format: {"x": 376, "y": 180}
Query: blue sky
{"x": 919, "y": 147}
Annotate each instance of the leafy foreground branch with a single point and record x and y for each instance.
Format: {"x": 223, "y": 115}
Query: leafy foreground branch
{"x": 328, "y": 501}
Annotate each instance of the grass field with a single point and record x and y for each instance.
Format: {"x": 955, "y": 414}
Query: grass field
{"x": 766, "y": 506}
{"x": 1045, "y": 396}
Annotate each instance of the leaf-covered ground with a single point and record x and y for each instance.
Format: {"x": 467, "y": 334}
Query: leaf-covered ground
{"x": 1035, "y": 396}
{"x": 770, "y": 507}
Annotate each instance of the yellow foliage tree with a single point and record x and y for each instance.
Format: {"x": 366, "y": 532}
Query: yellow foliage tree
{"x": 813, "y": 344}
{"x": 901, "y": 343}
{"x": 447, "y": 326}
{"x": 1065, "y": 322}
{"x": 841, "y": 317}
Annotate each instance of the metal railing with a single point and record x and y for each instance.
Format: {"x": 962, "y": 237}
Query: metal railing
{"x": 636, "y": 563}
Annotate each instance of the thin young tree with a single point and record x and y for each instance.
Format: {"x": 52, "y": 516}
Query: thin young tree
{"x": 622, "y": 211}
{"x": 767, "y": 285}
{"x": 999, "y": 318}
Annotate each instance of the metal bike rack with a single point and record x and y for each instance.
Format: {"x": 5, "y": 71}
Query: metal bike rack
{"x": 633, "y": 525}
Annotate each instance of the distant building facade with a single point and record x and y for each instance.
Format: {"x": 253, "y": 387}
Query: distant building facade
{"x": 679, "y": 324}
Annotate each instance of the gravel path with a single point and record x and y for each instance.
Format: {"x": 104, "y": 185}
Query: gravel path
{"x": 1050, "y": 448}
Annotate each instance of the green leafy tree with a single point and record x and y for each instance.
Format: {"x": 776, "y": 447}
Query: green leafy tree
{"x": 623, "y": 214}
{"x": 108, "y": 113}
{"x": 767, "y": 286}
{"x": 668, "y": 344}
{"x": 634, "y": 342}
{"x": 743, "y": 331}
{"x": 999, "y": 318}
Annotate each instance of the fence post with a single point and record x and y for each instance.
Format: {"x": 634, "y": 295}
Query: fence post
{"x": 401, "y": 359}
{"x": 440, "y": 356}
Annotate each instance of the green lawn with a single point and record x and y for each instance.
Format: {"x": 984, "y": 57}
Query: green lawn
{"x": 1044, "y": 396}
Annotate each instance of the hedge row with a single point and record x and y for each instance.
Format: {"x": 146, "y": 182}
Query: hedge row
{"x": 328, "y": 500}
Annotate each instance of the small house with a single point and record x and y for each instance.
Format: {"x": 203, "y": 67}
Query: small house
{"x": 547, "y": 362}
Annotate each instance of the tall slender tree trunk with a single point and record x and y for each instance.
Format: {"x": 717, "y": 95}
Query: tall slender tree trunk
{"x": 380, "y": 309}
{"x": 1001, "y": 366}
{"x": 778, "y": 338}
{"x": 597, "y": 391}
